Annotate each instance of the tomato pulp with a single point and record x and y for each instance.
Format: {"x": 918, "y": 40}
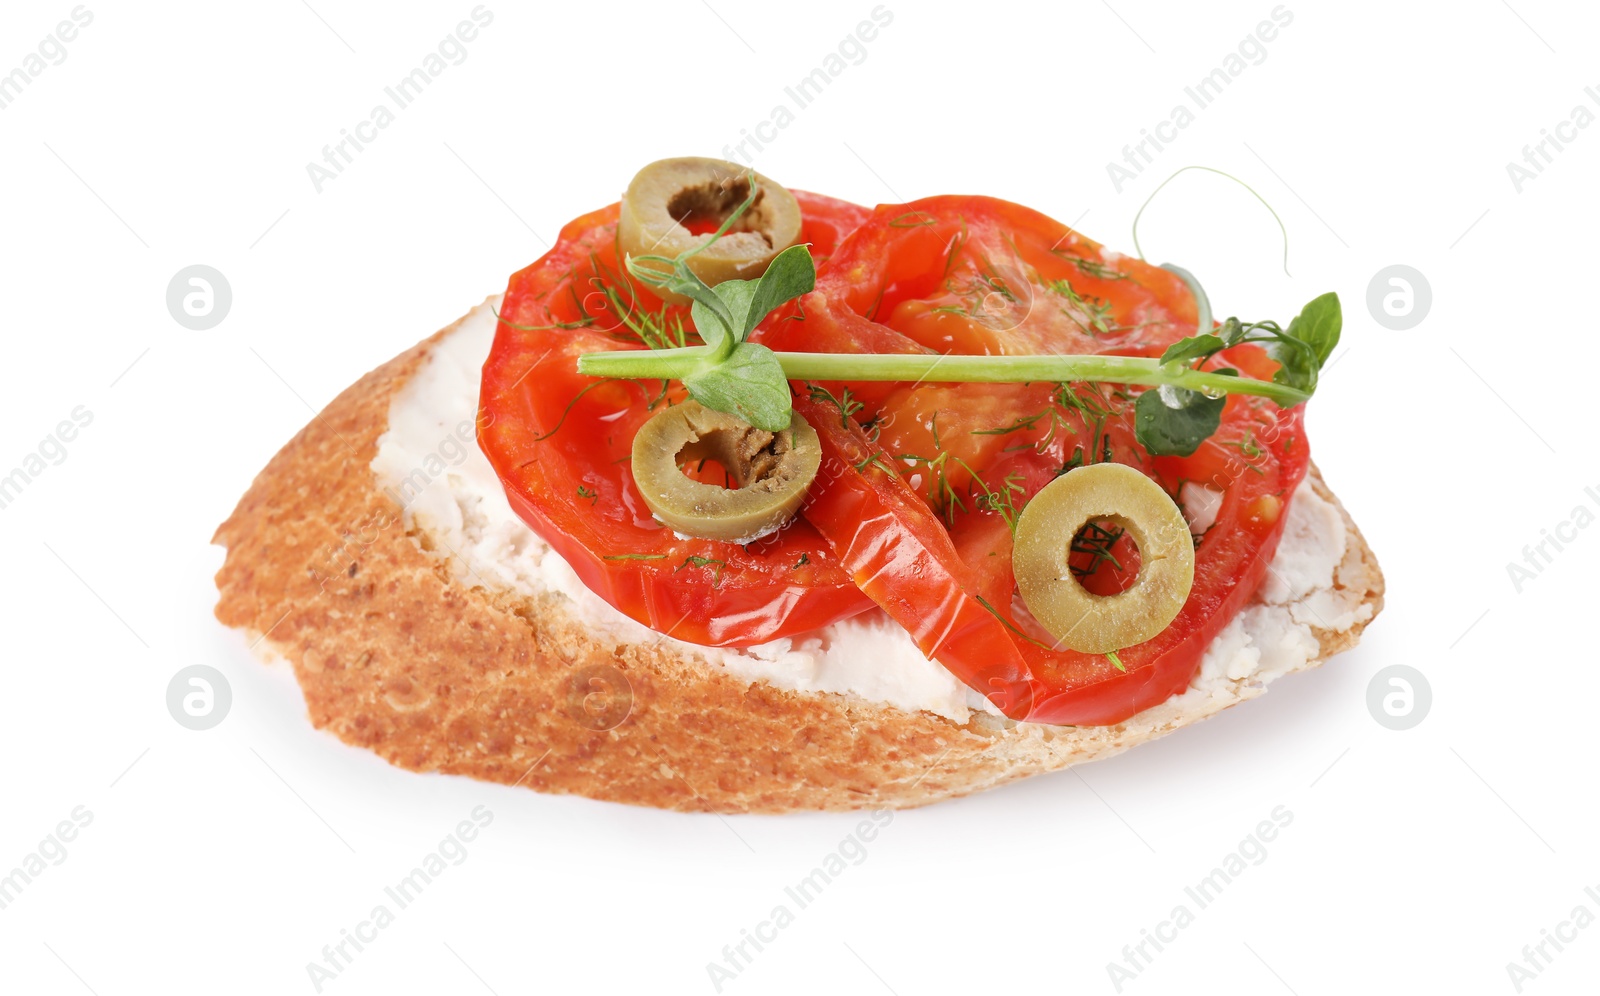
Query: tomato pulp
{"x": 921, "y": 483}
{"x": 561, "y": 442}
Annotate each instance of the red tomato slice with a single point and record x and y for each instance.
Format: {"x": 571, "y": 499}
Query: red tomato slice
{"x": 561, "y": 443}
{"x": 920, "y": 486}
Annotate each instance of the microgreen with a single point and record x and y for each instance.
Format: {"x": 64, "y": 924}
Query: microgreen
{"x": 1219, "y": 172}
{"x": 733, "y": 375}
{"x": 1174, "y": 420}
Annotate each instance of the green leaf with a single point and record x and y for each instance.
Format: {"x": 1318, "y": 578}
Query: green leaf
{"x": 1297, "y": 363}
{"x": 1194, "y": 347}
{"x": 790, "y": 274}
{"x": 718, "y": 331}
{"x": 1306, "y": 344}
{"x": 1318, "y": 326}
{"x": 1233, "y": 332}
{"x": 1174, "y": 421}
{"x": 737, "y": 377}
{"x": 726, "y": 314}
{"x": 749, "y": 384}
{"x": 709, "y": 310}
{"x": 737, "y": 296}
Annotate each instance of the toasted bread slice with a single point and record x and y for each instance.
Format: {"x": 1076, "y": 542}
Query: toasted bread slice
{"x": 395, "y": 654}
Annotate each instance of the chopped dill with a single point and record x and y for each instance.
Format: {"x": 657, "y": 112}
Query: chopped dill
{"x": 696, "y": 561}
{"x": 1017, "y": 424}
{"x": 1087, "y": 401}
{"x": 562, "y": 326}
{"x": 1092, "y": 314}
{"x": 568, "y": 410}
{"x": 942, "y": 495}
{"x": 847, "y": 405}
{"x": 1008, "y": 624}
{"x": 874, "y": 460}
{"x": 872, "y": 312}
{"x": 1097, "y": 541}
{"x": 957, "y": 241}
{"x": 1001, "y": 500}
{"x": 653, "y": 329}
{"x": 1246, "y": 445}
{"x": 1090, "y": 267}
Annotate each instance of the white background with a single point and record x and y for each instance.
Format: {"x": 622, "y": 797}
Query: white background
{"x": 223, "y": 861}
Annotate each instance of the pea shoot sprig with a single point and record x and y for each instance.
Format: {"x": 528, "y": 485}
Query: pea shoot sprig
{"x": 733, "y": 375}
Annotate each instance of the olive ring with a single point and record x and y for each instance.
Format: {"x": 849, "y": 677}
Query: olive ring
{"x": 1078, "y": 619}
{"x": 667, "y": 193}
{"x": 771, "y": 470}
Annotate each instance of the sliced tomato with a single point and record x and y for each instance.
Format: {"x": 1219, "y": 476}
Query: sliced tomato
{"x": 561, "y": 443}
{"x": 983, "y": 276}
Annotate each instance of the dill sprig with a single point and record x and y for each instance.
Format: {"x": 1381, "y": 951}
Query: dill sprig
{"x": 651, "y": 329}
{"x": 1091, "y": 314}
{"x": 1090, "y": 267}
{"x": 1002, "y": 499}
{"x": 942, "y": 495}
{"x": 846, "y": 404}
{"x": 1008, "y": 624}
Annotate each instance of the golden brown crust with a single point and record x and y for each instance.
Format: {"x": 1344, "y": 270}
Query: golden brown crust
{"x": 396, "y": 656}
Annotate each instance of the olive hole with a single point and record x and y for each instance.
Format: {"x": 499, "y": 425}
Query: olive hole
{"x": 1103, "y": 557}
{"x": 708, "y": 471}
{"x": 732, "y": 458}
{"x": 703, "y": 208}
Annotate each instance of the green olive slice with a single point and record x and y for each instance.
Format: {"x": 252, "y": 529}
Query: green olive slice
{"x": 669, "y": 192}
{"x": 772, "y": 470}
{"x": 1078, "y": 619}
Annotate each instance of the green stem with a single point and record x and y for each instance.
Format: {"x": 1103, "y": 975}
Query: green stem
{"x": 674, "y": 364}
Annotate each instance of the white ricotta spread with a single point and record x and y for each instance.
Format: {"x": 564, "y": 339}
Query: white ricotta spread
{"x": 429, "y": 462}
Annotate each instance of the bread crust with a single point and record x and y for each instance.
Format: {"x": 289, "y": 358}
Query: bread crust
{"x": 396, "y": 656}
